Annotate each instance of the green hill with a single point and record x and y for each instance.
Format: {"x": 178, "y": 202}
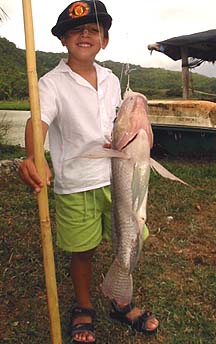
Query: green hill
{"x": 153, "y": 82}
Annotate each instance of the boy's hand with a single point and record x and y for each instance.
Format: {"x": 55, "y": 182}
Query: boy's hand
{"x": 107, "y": 145}
{"x": 30, "y": 176}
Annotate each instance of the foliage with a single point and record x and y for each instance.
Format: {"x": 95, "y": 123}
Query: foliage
{"x": 13, "y": 78}
{"x": 14, "y": 105}
{"x": 11, "y": 151}
{"x": 158, "y": 83}
{"x": 3, "y": 15}
{"x": 5, "y": 125}
{"x": 153, "y": 82}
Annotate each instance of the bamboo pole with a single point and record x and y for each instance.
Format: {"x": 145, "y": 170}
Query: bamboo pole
{"x": 46, "y": 235}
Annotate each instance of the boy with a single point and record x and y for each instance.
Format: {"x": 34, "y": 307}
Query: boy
{"x": 78, "y": 104}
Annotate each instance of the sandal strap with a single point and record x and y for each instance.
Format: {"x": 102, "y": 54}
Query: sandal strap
{"x": 82, "y": 311}
{"x": 81, "y": 328}
{"x": 122, "y": 310}
{"x": 140, "y": 323}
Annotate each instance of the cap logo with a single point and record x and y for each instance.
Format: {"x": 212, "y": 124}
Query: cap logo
{"x": 79, "y": 9}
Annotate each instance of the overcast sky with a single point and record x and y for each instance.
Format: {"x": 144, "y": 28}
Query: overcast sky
{"x": 135, "y": 25}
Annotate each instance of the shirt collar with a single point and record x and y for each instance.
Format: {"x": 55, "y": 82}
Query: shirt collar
{"x": 102, "y": 72}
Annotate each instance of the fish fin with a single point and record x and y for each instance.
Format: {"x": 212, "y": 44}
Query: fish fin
{"x": 139, "y": 185}
{"x": 118, "y": 284}
{"x": 142, "y": 211}
{"x": 164, "y": 172}
{"x": 101, "y": 152}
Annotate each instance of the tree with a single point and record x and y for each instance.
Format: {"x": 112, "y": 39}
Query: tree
{"x": 3, "y": 15}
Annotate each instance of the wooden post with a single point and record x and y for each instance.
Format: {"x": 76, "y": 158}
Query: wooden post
{"x": 185, "y": 73}
{"x": 46, "y": 235}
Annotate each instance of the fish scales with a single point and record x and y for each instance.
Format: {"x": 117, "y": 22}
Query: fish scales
{"x": 126, "y": 224}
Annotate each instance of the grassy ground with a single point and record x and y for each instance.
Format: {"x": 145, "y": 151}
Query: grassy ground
{"x": 14, "y": 105}
{"x": 176, "y": 275}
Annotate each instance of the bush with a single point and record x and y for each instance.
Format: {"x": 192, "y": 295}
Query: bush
{"x": 5, "y": 126}
{"x": 175, "y": 92}
{"x": 11, "y": 151}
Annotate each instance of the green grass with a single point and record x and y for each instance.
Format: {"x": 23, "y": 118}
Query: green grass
{"x": 14, "y": 105}
{"x": 175, "y": 277}
{"x": 10, "y": 151}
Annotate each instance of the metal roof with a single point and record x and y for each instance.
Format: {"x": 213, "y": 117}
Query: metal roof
{"x": 201, "y": 45}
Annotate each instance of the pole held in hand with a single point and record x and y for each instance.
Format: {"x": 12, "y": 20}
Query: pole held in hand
{"x": 46, "y": 234}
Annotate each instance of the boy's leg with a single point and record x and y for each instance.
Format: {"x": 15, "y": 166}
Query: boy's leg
{"x": 81, "y": 273}
{"x": 79, "y": 231}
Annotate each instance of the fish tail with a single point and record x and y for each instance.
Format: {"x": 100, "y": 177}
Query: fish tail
{"x": 118, "y": 284}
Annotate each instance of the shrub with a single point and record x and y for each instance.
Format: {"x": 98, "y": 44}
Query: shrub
{"x": 5, "y": 126}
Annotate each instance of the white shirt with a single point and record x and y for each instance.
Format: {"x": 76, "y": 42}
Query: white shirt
{"x": 78, "y": 116}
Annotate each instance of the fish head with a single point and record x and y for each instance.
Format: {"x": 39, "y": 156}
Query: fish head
{"x": 131, "y": 117}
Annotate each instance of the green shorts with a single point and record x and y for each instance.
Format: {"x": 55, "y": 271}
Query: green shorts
{"x": 83, "y": 219}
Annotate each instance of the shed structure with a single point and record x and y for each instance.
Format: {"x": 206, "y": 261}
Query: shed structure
{"x": 200, "y": 47}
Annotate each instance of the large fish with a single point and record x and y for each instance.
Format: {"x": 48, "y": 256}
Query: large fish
{"x": 132, "y": 135}
{"x": 132, "y": 139}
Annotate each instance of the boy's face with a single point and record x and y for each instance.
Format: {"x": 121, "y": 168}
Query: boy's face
{"x": 85, "y": 41}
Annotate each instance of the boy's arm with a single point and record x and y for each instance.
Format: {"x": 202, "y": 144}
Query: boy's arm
{"x": 27, "y": 169}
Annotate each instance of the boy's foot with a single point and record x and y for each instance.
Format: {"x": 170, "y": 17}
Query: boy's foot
{"x": 141, "y": 321}
{"x": 81, "y": 326}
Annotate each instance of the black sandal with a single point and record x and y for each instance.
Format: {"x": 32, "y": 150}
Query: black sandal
{"x": 82, "y": 327}
{"x": 139, "y": 324}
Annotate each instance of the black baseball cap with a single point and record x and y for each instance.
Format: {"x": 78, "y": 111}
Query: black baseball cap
{"x": 79, "y": 13}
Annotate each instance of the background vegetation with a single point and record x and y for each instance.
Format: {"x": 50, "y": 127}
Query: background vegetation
{"x": 5, "y": 126}
{"x": 154, "y": 82}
